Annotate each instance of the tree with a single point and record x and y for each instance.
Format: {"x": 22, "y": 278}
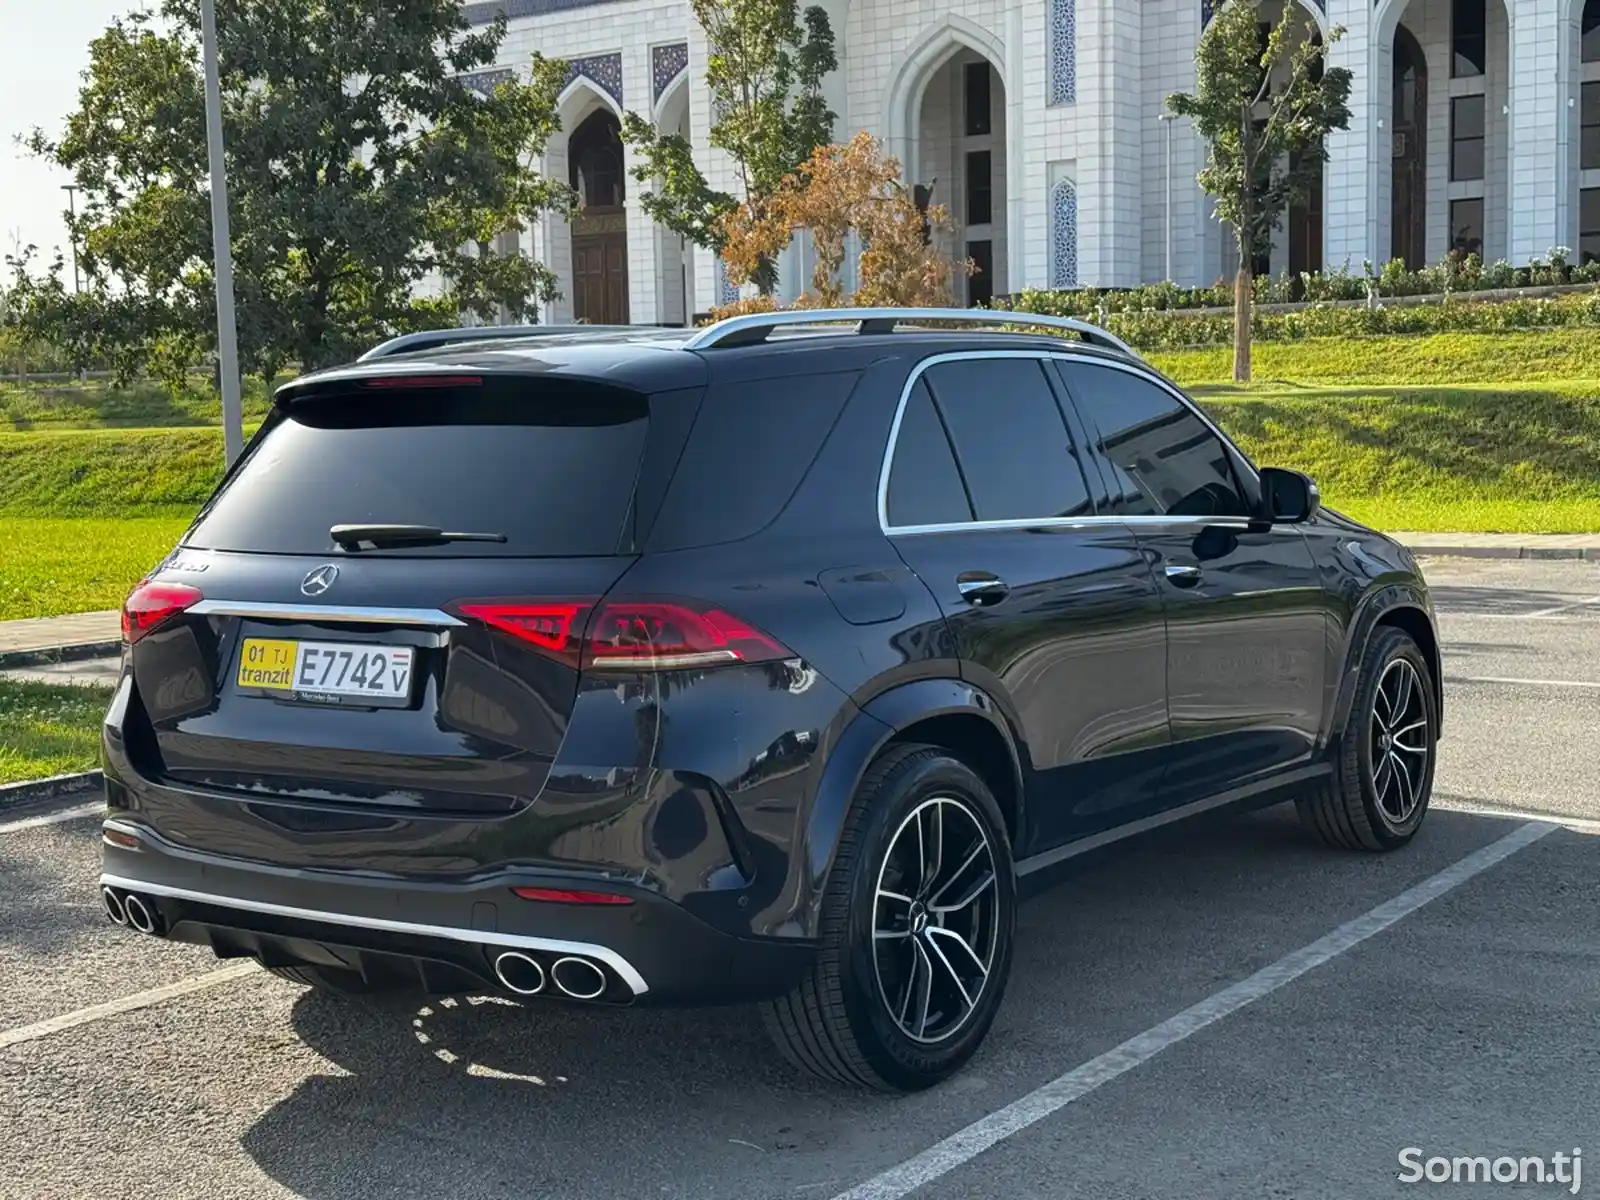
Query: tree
{"x": 1265, "y": 113}
{"x": 842, "y": 189}
{"x": 760, "y": 52}
{"x": 359, "y": 165}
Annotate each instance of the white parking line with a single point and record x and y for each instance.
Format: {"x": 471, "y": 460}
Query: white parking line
{"x": 112, "y": 1008}
{"x": 1561, "y": 609}
{"x": 77, "y": 812}
{"x": 943, "y": 1157}
{"x": 1506, "y": 679}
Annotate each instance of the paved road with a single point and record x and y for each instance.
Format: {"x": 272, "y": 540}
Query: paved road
{"x": 1231, "y": 1012}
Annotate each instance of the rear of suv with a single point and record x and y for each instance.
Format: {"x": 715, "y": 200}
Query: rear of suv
{"x": 758, "y": 663}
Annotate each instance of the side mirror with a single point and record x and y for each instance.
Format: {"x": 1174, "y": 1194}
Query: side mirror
{"x": 1288, "y": 497}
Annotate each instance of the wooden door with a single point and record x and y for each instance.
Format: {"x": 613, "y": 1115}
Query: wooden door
{"x": 600, "y": 278}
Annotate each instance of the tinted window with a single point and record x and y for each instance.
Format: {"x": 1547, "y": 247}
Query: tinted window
{"x": 752, "y": 444}
{"x": 1011, "y": 444}
{"x": 1162, "y": 457}
{"x": 925, "y": 487}
{"x": 552, "y": 470}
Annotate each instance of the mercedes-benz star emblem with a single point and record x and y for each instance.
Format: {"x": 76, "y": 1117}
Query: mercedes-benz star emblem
{"x": 319, "y": 580}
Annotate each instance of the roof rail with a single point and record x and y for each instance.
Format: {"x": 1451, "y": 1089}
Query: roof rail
{"x": 407, "y": 342}
{"x": 751, "y": 328}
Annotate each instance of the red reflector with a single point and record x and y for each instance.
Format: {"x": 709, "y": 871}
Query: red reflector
{"x": 121, "y": 837}
{"x": 150, "y": 604}
{"x": 423, "y": 381}
{"x": 564, "y": 896}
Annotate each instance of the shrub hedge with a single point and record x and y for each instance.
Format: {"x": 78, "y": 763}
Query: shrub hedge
{"x": 1155, "y": 329}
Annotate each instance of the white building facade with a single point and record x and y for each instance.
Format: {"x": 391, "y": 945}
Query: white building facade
{"x": 1475, "y": 125}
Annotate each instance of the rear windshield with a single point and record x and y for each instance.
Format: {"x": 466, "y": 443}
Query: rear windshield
{"x": 550, "y": 466}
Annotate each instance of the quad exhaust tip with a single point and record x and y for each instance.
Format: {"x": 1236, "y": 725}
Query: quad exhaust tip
{"x": 519, "y": 973}
{"x": 578, "y": 978}
{"x": 113, "y": 906}
{"x": 139, "y": 914}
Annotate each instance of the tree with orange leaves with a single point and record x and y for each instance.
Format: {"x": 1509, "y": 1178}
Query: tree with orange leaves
{"x": 853, "y": 187}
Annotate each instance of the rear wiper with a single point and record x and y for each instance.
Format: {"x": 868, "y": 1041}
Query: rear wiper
{"x": 353, "y": 537}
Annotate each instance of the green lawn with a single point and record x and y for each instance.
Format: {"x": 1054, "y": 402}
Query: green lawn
{"x": 46, "y": 729}
{"x": 1451, "y": 432}
{"x": 97, "y": 404}
{"x": 1453, "y": 359}
{"x": 51, "y": 565}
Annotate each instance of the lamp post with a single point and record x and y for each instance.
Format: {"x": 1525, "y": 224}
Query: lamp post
{"x": 1166, "y": 119}
{"x": 227, "y": 331}
{"x": 71, "y": 189}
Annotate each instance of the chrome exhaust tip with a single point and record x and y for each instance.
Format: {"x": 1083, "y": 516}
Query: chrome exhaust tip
{"x": 578, "y": 978}
{"x": 113, "y": 906}
{"x": 519, "y": 973}
{"x": 139, "y": 914}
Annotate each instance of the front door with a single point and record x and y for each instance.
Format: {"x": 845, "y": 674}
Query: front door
{"x": 1054, "y": 610}
{"x": 1246, "y": 624}
{"x": 599, "y": 276}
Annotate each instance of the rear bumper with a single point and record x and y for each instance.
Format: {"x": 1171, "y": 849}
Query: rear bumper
{"x": 443, "y": 937}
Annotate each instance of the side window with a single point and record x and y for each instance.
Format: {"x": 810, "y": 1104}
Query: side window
{"x": 1015, "y": 453}
{"x": 1161, "y": 457}
{"x": 925, "y": 485}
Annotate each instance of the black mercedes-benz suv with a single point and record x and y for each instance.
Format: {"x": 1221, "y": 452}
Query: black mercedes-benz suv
{"x": 761, "y": 662}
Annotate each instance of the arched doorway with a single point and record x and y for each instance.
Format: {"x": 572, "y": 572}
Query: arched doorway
{"x": 599, "y": 227}
{"x": 961, "y": 158}
{"x": 1408, "y": 214}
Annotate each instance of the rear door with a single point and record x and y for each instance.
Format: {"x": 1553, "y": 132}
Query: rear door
{"x": 364, "y": 672}
{"x": 1244, "y": 601}
{"x": 1053, "y": 609}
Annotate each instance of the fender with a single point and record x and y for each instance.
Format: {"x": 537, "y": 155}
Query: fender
{"x": 1358, "y": 635}
{"x": 872, "y": 728}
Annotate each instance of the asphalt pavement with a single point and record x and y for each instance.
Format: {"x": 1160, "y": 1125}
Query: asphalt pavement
{"x": 1232, "y": 1011}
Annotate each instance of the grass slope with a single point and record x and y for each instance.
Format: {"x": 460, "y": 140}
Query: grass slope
{"x": 1466, "y": 432}
{"x": 47, "y": 729}
{"x": 52, "y": 565}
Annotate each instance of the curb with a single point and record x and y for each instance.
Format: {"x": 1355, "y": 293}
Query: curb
{"x": 32, "y": 791}
{"x": 43, "y": 656}
{"x": 1542, "y": 553}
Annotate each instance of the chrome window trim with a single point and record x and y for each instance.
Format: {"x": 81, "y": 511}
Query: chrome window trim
{"x": 605, "y": 954}
{"x": 1094, "y": 522}
{"x": 325, "y": 612}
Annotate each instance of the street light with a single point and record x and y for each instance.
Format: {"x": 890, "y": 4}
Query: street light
{"x": 227, "y": 331}
{"x": 1166, "y": 119}
{"x": 71, "y": 190}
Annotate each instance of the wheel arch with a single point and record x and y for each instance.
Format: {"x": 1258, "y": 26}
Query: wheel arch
{"x": 948, "y": 713}
{"x": 1398, "y": 606}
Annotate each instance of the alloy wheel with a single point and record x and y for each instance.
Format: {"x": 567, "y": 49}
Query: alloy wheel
{"x": 1400, "y": 743}
{"x": 936, "y": 920}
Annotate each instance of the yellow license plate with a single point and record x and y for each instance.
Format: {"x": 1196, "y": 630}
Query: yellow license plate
{"x": 267, "y": 663}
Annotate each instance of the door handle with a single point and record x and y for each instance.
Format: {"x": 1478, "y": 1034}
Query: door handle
{"x": 1182, "y": 575}
{"x": 980, "y": 588}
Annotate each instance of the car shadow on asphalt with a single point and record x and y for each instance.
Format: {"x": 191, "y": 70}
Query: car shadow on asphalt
{"x": 480, "y": 1096}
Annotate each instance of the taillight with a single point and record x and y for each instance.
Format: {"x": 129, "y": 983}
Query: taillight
{"x": 402, "y": 382}
{"x": 651, "y": 635}
{"x": 637, "y": 635}
{"x": 151, "y": 604}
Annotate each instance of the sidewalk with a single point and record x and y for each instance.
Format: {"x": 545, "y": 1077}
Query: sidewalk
{"x": 96, "y": 634}
{"x": 59, "y": 639}
{"x": 1504, "y": 545}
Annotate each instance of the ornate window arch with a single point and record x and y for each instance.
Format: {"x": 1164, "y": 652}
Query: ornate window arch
{"x": 1063, "y": 51}
{"x": 1064, "y": 235}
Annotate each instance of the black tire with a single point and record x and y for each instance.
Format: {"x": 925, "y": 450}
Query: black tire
{"x": 331, "y": 979}
{"x": 838, "y": 1023}
{"x": 1347, "y": 811}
